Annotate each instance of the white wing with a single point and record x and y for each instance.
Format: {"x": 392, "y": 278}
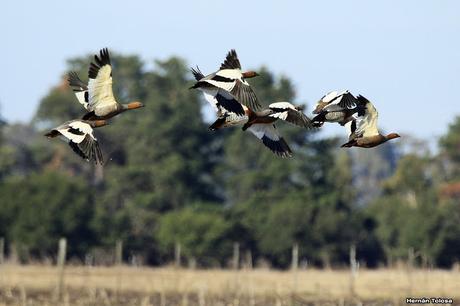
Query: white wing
{"x": 75, "y": 131}
{"x": 100, "y": 83}
{"x": 344, "y": 100}
{"x": 210, "y": 96}
{"x": 222, "y": 102}
{"x": 366, "y": 125}
{"x": 329, "y": 96}
{"x": 288, "y": 112}
{"x": 271, "y": 139}
{"x": 225, "y": 79}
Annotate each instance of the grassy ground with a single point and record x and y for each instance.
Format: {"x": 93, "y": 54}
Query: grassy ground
{"x": 37, "y": 285}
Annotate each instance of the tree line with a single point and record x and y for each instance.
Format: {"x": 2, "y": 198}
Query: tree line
{"x": 169, "y": 180}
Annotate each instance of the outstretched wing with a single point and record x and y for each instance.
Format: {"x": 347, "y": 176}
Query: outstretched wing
{"x": 366, "y": 121}
{"x": 288, "y": 112}
{"x": 222, "y": 101}
{"x": 346, "y": 100}
{"x": 88, "y": 149}
{"x": 231, "y": 61}
{"x": 243, "y": 92}
{"x": 79, "y": 88}
{"x": 334, "y": 101}
{"x": 271, "y": 139}
{"x": 100, "y": 81}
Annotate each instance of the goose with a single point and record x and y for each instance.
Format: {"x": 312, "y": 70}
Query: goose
{"x": 97, "y": 97}
{"x": 279, "y": 110}
{"x": 79, "y": 134}
{"x": 335, "y": 107}
{"x": 363, "y": 130}
{"x": 228, "y": 85}
{"x": 261, "y": 124}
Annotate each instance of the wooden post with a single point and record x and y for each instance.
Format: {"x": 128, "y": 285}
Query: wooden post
{"x": 295, "y": 266}
{"x": 162, "y": 298}
{"x": 118, "y": 263}
{"x": 61, "y": 263}
{"x": 236, "y": 256}
{"x": 410, "y": 258}
{"x": 13, "y": 256}
{"x": 353, "y": 268}
{"x": 249, "y": 259}
{"x": 2, "y": 250}
{"x": 201, "y": 298}
{"x": 295, "y": 257}
{"x": 185, "y": 299}
{"x": 119, "y": 252}
{"x": 410, "y": 267}
{"x": 177, "y": 255}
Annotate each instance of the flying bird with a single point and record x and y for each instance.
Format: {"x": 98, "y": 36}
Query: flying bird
{"x": 79, "y": 135}
{"x": 261, "y": 124}
{"x": 363, "y": 130}
{"x": 228, "y": 86}
{"x": 335, "y": 107}
{"x": 97, "y": 97}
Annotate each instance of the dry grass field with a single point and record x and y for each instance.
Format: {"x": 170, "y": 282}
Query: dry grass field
{"x": 38, "y": 285}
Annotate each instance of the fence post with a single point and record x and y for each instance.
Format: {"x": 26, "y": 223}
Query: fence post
{"x": 353, "y": 268}
{"x": 177, "y": 255}
{"x": 119, "y": 252}
{"x": 61, "y": 263}
{"x": 236, "y": 255}
{"x": 410, "y": 267}
{"x": 295, "y": 257}
{"x": 2, "y": 250}
{"x": 294, "y": 267}
{"x": 249, "y": 259}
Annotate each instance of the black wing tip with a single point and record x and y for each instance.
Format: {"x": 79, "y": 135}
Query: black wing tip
{"x": 77, "y": 150}
{"x": 88, "y": 149}
{"x": 104, "y": 56}
{"x": 100, "y": 61}
{"x": 231, "y": 61}
{"x": 278, "y": 147}
{"x": 362, "y": 100}
{"x": 197, "y": 74}
{"x": 52, "y": 134}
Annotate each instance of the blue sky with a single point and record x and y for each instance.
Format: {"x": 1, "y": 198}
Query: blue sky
{"x": 402, "y": 55}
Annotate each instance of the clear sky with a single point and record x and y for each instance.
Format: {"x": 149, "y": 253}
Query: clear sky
{"x": 402, "y": 55}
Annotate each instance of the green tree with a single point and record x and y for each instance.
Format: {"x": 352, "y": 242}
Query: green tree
{"x": 449, "y": 145}
{"x": 203, "y": 234}
{"x": 409, "y": 197}
{"x": 38, "y": 209}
